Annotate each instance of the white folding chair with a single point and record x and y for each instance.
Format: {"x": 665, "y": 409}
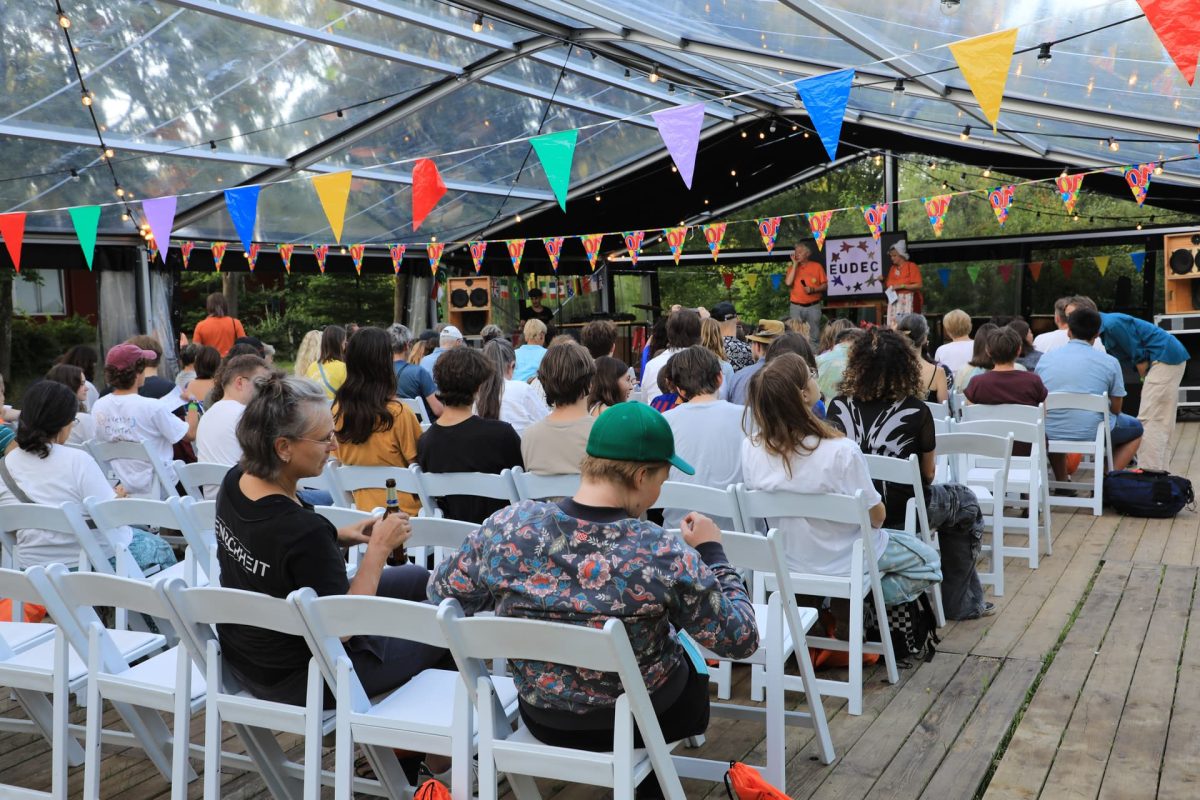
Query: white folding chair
{"x": 418, "y": 408}
{"x": 862, "y": 582}
{"x": 106, "y": 452}
{"x": 476, "y": 484}
{"x": 907, "y": 472}
{"x": 430, "y": 713}
{"x": 939, "y": 410}
{"x": 442, "y": 536}
{"x": 961, "y": 447}
{"x": 1097, "y": 452}
{"x": 541, "y": 487}
{"x": 198, "y": 477}
{"x": 110, "y": 515}
{"x": 167, "y": 681}
{"x": 519, "y": 754}
{"x": 346, "y": 480}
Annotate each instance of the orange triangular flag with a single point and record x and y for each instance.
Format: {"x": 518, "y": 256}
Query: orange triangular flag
{"x": 984, "y": 63}
{"x": 12, "y": 228}
{"x": 334, "y": 191}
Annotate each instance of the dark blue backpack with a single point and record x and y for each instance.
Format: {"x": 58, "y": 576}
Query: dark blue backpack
{"x": 1147, "y": 492}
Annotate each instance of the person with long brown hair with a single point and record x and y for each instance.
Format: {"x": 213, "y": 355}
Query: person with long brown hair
{"x": 612, "y": 385}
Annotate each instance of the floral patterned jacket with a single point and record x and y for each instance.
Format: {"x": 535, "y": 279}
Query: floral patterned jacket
{"x": 534, "y": 561}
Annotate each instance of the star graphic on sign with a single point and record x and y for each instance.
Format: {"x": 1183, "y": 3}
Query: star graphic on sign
{"x": 837, "y": 280}
{"x": 863, "y": 246}
{"x": 847, "y": 247}
{"x": 858, "y": 287}
{"x": 872, "y": 280}
{"x": 835, "y": 257}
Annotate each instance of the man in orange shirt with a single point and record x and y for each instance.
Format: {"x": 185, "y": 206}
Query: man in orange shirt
{"x": 807, "y": 281}
{"x": 904, "y": 276}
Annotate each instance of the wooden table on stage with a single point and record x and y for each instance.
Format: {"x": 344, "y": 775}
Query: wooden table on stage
{"x": 877, "y": 305}
{"x": 626, "y": 333}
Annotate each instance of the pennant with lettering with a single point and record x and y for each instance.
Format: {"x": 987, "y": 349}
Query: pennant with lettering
{"x": 714, "y": 234}
{"x": 185, "y": 250}
{"x": 427, "y": 189}
{"x": 876, "y": 217}
{"x": 973, "y": 272}
{"x": 825, "y": 97}
{"x": 1067, "y": 265}
{"x": 818, "y": 222}
{"x": 1177, "y": 26}
{"x": 1102, "y": 263}
{"x": 591, "y": 246}
{"x": 356, "y": 255}
{"x": 321, "y": 251}
{"x": 12, "y": 229}
{"x": 434, "y": 250}
{"x": 768, "y": 229}
{"x": 516, "y": 251}
{"x": 935, "y": 209}
{"x": 285, "y": 255}
{"x": 477, "y": 251}
{"x": 160, "y": 214}
{"x": 333, "y": 191}
{"x": 944, "y": 276}
{"x": 396, "y": 251}
{"x": 1068, "y": 189}
{"x": 752, "y": 280}
{"x": 984, "y": 62}
{"x": 727, "y": 277}
{"x": 776, "y": 280}
{"x": 556, "y": 151}
{"x": 86, "y": 219}
{"x": 1139, "y": 260}
{"x": 553, "y": 250}
{"x": 1138, "y": 177}
{"x": 679, "y": 128}
{"x": 218, "y": 254}
{"x": 1000, "y": 199}
{"x": 633, "y": 243}
{"x": 1006, "y": 272}
{"x": 1035, "y": 269}
{"x": 252, "y": 256}
{"x": 243, "y": 210}
{"x": 675, "y": 240}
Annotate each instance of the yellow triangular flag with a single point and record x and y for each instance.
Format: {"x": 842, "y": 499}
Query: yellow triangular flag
{"x": 334, "y": 190}
{"x": 1102, "y": 263}
{"x": 984, "y": 62}
{"x": 752, "y": 280}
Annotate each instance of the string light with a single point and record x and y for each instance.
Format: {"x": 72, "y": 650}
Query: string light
{"x": 1139, "y": 226}
{"x": 124, "y": 216}
{"x": 86, "y": 99}
{"x": 733, "y": 173}
{"x": 987, "y": 173}
{"x": 597, "y": 197}
{"x": 120, "y": 191}
{"x": 966, "y": 133}
{"x": 1043, "y": 56}
{"x": 772, "y": 128}
{"x": 653, "y": 77}
{"x": 109, "y": 152}
{"x": 761, "y": 135}
{"x": 63, "y": 19}
{"x": 1158, "y": 169}
{"x": 477, "y": 25}
{"x": 744, "y": 134}
{"x": 1114, "y": 145}
{"x": 517, "y": 218}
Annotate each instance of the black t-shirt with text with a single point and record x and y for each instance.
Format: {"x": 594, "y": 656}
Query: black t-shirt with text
{"x": 473, "y": 445}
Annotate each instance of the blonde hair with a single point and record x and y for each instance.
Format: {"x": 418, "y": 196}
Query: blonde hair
{"x": 306, "y": 353}
{"x": 533, "y": 329}
{"x": 956, "y": 324}
{"x": 797, "y": 326}
{"x": 618, "y": 473}
{"x": 711, "y": 339}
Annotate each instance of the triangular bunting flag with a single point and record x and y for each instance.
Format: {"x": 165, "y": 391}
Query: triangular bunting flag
{"x": 776, "y": 280}
{"x": 396, "y": 251}
{"x": 553, "y": 250}
{"x": 984, "y": 63}
{"x": 1139, "y": 260}
{"x": 356, "y": 255}
{"x": 591, "y": 246}
{"x": 556, "y": 151}
{"x": 935, "y": 209}
{"x": 633, "y": 243}
{"x": 752, "y": 280}
{"x": 679, "y": 128}
{"x": 1138, "y": 177}
{"x": 1068, "y": 189}
{"x": 876, "y": 216}
{"x": 86, "y": 219}
{"x": 944, "y": 276}
{"x": 252, "y": 256}
{"x": 12, "y": 229}
{"x": 1178, "y": 28}
{"x": 675, "y": 239}
{"x": 434, "y": 249}
{"x": 714, "y": 233}
{"x": 185, "y": 250}
{"x": 243, "y": 210}
{"x": 285, "y": 255}
{"x": 1102, "y": 263}
{"x": 333, "y": 190}
{"x": 516, "y": 251}
{"x": 973, "y": 272}
{"x": 825, "y": 98}
{"x": 768, "y": 229}
{"x": 477, "y": 251}
{"x": 427, "y": 190}
{"x": 160, "y": 214}
{"x": 1035, "y": 269}
{"x": 218, "y": 254}
{"x": 1067, "y": 265}
{"x": 818, "y": 222}
{"x": 727, "y": 277}
{"x": 1006, "y": 271}
{"x": 1000, "y": 199}
{"x": 321, "y": 251}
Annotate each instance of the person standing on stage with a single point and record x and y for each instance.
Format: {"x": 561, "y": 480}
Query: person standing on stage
{"x": 535, "y": 309}
{"x": 905, "y": 278}
{"x": 807, "y": 281}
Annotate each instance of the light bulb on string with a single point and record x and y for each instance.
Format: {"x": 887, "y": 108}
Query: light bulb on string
{"x": 477, "y": 25}
{"x": 949, "y": 7}
{"x": 966, "y": 133}
{"x": 1044, "y": 56}
{"x": 1139, "y": 226}
{"x": 517, "y": 218}
{"x": 1114, "y": 145}
{"x": 124, "y": 216}
{"x": 761, "y": 135}
{"x": 987, "y": 173}
{"x": 653, "y": 77}
{"x": 109, "y": 152}
{"x": 120, "y": 191}
{"x": 86, "y": 99}
{"x": 1158, "y": 169}
{"x": 63, "y": 20}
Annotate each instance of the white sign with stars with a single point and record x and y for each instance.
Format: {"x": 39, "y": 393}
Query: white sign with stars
{"x": 854, "y": 267}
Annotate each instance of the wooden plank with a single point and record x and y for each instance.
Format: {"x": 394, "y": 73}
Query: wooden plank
{"x": 1125, "y": 541}
{"x": 920, "y": 755}
{"x": 1181, "y": 541}
{"x": 1153, "y": 543}
{"x": 1137, "y": 750}
{"x": 971, "y": 754}
{"x": 1180, "y": 775}
{"x": 1030, "y": 752}
{"x": 1088, "y": 740}
{"x": 853, "y": 776}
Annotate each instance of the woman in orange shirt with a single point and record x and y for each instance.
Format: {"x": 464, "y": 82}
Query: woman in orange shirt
{"x": 218, "y": 329}
{"x": 808, "y": 282}
{"x": 904, "y": 276}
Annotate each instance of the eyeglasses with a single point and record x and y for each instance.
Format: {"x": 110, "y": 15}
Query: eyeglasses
{"x": 328, "y": 440}
{"x": 813, "y": 373}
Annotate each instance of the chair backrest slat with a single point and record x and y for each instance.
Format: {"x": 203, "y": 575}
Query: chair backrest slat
{"x": 478, "y": 484}
{"x": 63, "y": 518}
{"x": 196, "y": 477}
{"x": 706, "y": 500}
{"x": 1025, "y": 432}
{"x": 1007, "y": 411}
{"x": 1098, "y": 403}
{"x": 541, "y": 487}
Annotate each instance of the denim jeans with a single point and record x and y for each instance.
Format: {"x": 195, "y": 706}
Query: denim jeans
{"x": 954, "y": 513}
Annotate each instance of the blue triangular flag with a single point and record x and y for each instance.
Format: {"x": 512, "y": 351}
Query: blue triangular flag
{"x": 243, "y": 210}
{"x": 825, "y": 98}
{"x": 944, "y": 276}
{"x": 1139, "y": 260}
{"x": 776, "y": 280}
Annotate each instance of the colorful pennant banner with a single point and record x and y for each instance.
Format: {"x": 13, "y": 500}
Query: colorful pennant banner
{"x": 973, "y": 272}
{"x": 818, "y": 223}
{"x": 1139, "y": 260}
{"x": 218, "y": 253}
{"x": 776, "y": 280}
{"x": 984, "y": 63}
{"x": 727, "y": 277}
{"x": 1138, "y": 177}
{"x": 944, "y": 276}
{"x": 185, "y": 250}
{"x": 1177, "y": 26}
{"x": 1067, "y": 265}
{"x": 633, "y": 243}
{"x": 333, "y": 191}
{"x": 714, "y": 234}
{"x": 356, "y": 255}
{"x": 1000, "y": 199}
{"x": 876, "y": 217}
{"x": 591, "y": 246}
{"x": 675, "y": 239}
{"x": 553, "y": 250}
{"x": 285, "y": 254}
{"x": 321, "y": 251}
{"x": 477, "y": 250}
{"x": 825, "y": 97}
{"x": 434, "y": 250}
{"x": 1006, "y": 272}
{"x": 1068, "y": 189}
{"x": 768, "y": 229}
{"x": 679, "y": 128}
{"x": 427, "y": 190}
{"x": 252, "y": 256}
{"x": 935, "y": 209}
{"x": 12, "y": 229}
{"x": 516, "y": 251}
{"x": 752, "y": 280}
{"x": 556, "y": 151}
{"x": 396, "y": 251}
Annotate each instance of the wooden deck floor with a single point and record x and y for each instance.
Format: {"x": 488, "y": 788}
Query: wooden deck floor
{"x": 1085, "y": 684}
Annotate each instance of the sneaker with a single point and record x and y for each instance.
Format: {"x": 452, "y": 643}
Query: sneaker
{"x": 989, "y": 609}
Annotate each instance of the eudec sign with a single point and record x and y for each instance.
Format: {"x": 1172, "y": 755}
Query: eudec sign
{"x": 855, "y": 266}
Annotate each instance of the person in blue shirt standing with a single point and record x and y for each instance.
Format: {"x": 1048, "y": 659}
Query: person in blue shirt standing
{"x": 1160, "y": 359}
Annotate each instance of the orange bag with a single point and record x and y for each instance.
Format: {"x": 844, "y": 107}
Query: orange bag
{"x": 432, "y": 790}
{"x": 30, "y": 612}
{"x": 834, "y": 659}
{"x": 1073, "y": 461}
{"x": 744, "y": 783}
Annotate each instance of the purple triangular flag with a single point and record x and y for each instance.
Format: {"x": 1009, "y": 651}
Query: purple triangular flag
{"x": 679, "y": 128}
{"x": 160, "y": 214}
{"x": 825, "y": 98}
{"x": 243, "y": 210}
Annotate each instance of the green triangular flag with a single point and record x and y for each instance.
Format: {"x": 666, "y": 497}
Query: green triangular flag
{"x": 973, "y": 271}
{"x": 556, "y": 152}
{"x": 86, "y": 219}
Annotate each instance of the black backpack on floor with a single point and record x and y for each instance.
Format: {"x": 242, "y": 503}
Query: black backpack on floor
{"x": 913, "y": 627}
{"x": 1147, "y": 492}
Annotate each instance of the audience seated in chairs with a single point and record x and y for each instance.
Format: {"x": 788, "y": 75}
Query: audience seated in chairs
{"x": 85, "y": 426}
{"x": 567, "y": 561}
{"x": 612, "y": 385}
{"x": 882, "y": 411}
{"x": 934, "y": 377}
{"x": 1004, "y": 384}
{"x": 760, "y": 340}
{"x": 412, "y": 380}
{"x": 501, "y": 397}
{"x": 980, "y": 361}
{"x": 557, "y": 444}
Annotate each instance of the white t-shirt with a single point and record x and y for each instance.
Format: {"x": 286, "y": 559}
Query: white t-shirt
{"x": 836, "y": 466}
{"x": 1053, "y": 340}
{"x": 133, "y": 418}
{"x": 66, "y": 475}
{"x": 84, "y": 430}
{"x": 521, "y": 405}
{"x": 954, "y": 355}
{"x": 708, "y": 436}
{"x": 93, "y": 394}
{"x": 216, "y": 434}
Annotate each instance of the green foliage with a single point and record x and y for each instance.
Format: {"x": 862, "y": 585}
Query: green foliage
{"x": 37, "y": 342}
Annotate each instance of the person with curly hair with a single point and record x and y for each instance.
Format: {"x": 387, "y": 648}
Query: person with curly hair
{"x": 882, "y": 408}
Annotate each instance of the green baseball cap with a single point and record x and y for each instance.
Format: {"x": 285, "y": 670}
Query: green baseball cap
{"x": 634, "y": 432}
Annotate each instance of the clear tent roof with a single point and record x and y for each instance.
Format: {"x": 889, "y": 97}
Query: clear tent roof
{"x": 200, "y": 95}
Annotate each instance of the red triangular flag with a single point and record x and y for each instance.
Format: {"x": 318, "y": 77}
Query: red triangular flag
{"x": 1177, "y": 25}
{"x": 427, "y": 190}
{"x": 1035, "y": 269}
{"x": 12, "y": 228}
{"x": 1067, "y": 265}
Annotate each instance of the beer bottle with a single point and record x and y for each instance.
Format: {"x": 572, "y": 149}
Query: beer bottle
{"x": 392, "y": 506}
